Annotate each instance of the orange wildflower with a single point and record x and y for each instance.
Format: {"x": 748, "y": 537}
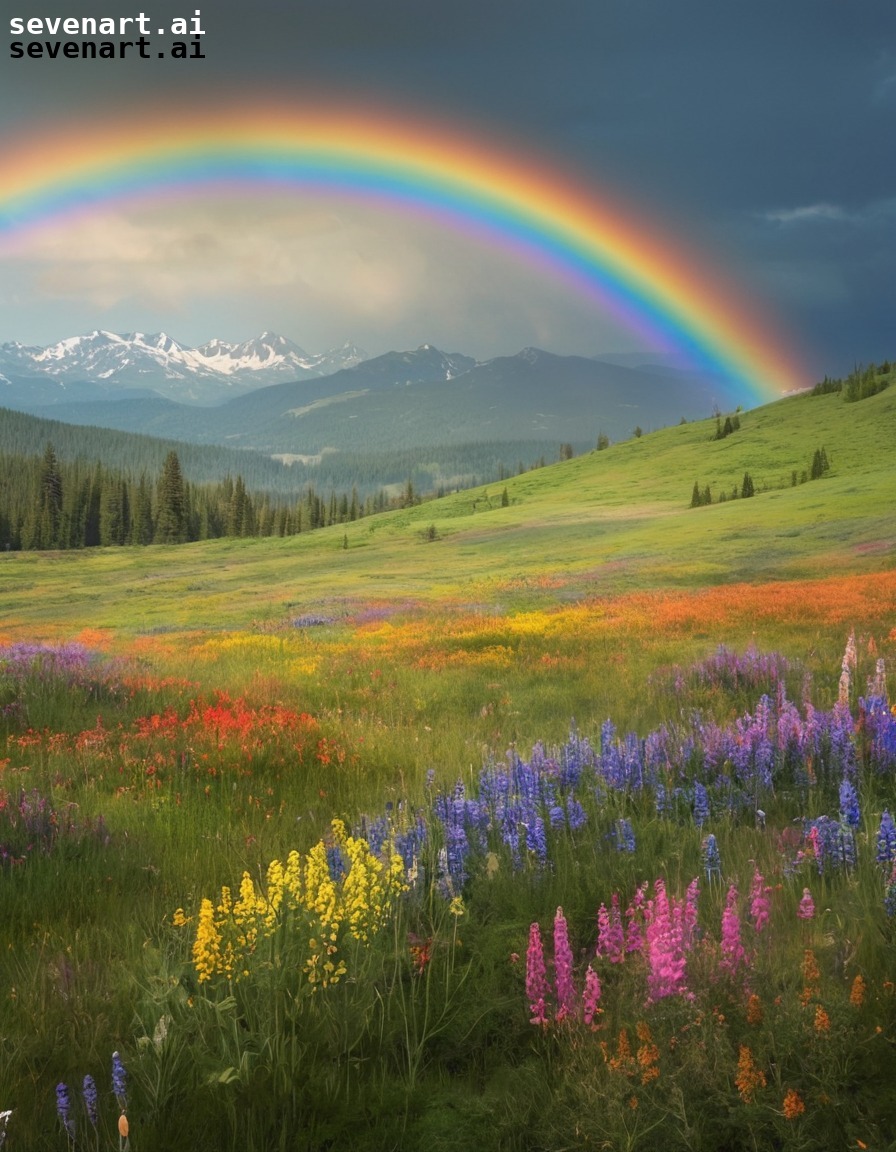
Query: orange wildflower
{"x": 857, "y": 993}
{"x": 750, "y": 1077}
{"x": 754, "y": 1010}
{"x": 822, "y": 1020}
{"x": 648, "y": 1054}
{"x": 793, "y": 1105}
{"x": 622, "y": 1061}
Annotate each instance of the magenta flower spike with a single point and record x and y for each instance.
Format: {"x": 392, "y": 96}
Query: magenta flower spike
{"x": 760, "y": 904}
{"x": 733, "y": 954}
{"x": 536, "y": 977}
{"x": 565, "y": 988}
{"x": 591, "y": 996}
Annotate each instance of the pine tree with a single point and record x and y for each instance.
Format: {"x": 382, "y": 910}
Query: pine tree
{"x": 746, "y": 488}
{"x": 45, "y": 524}
{"x": 171, "y": 513}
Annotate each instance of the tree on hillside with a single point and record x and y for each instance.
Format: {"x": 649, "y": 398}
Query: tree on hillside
{"x": 114, "y": 513}
{"x": 141, "y": 514}
{"x": 820, "y": 464}
{"x": 171, "y": 512}
{"x": 43, "y": 529}
{"x": 746, "y": 488}
{"x": 603, "y": 441}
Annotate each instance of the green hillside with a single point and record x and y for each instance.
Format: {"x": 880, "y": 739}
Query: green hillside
{"x": 609, "y": 521}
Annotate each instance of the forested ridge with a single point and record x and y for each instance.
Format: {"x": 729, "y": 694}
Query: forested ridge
{"x": 49, "y": 503}
{"x": 444, "y": 467}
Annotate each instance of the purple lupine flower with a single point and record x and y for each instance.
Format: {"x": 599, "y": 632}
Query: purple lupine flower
{"x": 886, "y": 839}
{"x": 64, "y": 1110}
{"x": 890, "y": 894}
{"x": 880, "y": 724}
{"x": 712, "y": 860}
{"x": 806, "y": 909}
{"x": 849, "y": 804}
{"x": 701, "y": 805}
{"x": 536, "y": 977}
{"x": 90, "y": 1099}
{"x": 833, "y": 844}
{"x": 575, "y": 813}
{"x": 536, "y": 841}
{"x": 119, "y": 1080}
{"x": 591, "y": 996}
{"x": 565, "y": 989}
{"x": 335, "y": 863}
{"x": 625, "y": 836}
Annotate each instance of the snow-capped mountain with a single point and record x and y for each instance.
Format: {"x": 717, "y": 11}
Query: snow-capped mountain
{"x": 158, "y": 363}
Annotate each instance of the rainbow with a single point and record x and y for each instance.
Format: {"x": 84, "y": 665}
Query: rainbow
{"x": 666, "y": 294}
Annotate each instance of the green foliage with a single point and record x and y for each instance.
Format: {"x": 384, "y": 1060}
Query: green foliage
{"x": 732, "y": 424}
{"x": 860, "y": 384}
{"x": 820, "y": 464}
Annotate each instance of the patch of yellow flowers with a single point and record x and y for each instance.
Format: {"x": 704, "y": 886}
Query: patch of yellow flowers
{"x": 300, "y": 894}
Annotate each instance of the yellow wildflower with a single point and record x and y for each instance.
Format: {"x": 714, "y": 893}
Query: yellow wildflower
{"x": 207, "y": 945}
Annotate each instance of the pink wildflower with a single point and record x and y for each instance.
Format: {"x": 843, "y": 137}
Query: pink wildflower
{"x": 566, "y": 992}
{"x": 634, "y": 914}
{"x": 668, "y": 933}
{"x": 733, "y": 954}
{"x": 760, "y": 905}
{"x": 690, "y": 911}
{"x": 591, "y": 996}
{"x": 536, "y": 978}
{"x": 806, "y": 910}
{"x": 610, "y": 937}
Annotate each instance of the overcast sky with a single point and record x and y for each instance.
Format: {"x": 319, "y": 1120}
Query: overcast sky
{"x": 760, "y": 133}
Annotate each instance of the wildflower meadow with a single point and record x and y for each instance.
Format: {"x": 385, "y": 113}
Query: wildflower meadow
{"x": 571, "y": 824}
{"x": 396, "y": 876}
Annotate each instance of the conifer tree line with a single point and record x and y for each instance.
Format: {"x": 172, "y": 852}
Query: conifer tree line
{"x": 861, "y": 383}
{"x": 46, "y": 503}
{"x": 819, "y": 467}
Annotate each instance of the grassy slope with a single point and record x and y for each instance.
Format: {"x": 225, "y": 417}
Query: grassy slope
{"x": 609, "y": 521}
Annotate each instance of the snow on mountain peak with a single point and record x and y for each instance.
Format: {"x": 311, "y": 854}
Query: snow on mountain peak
{"x": 156, "y": 360}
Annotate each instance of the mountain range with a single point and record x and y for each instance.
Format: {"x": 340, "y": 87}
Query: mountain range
{"x": 102, "y": 365}
{"x": 270, "y": 395}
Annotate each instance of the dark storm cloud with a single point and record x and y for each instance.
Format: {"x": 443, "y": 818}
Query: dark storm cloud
{"x": 729, "y": 121}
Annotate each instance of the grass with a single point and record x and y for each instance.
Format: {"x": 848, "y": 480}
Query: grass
{"x": 596, "y": 593}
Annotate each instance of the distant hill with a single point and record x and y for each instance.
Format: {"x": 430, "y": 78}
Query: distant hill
{"x": 427, "y": 398}
{"x": 445, "y": 468}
